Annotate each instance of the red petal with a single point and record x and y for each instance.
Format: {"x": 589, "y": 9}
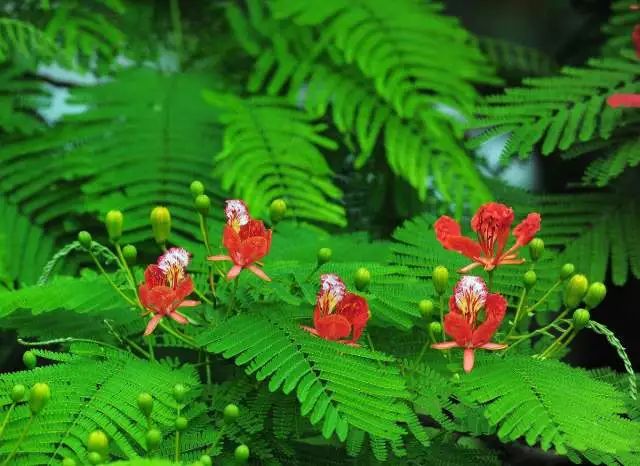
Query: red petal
{"x": 468, "y": 360}
{"x": 356, "y": 310}
{"x": 231, "y": 240}
{"x": 495, "y": 308}
{"x": 446, "y": 226}
{"x": 259, "y": 272}
{"x": 253, "y": 228}
{"x": 448, "y": 233}
{"x": 445, "y": 345}
{"x": 527, "y": 229}
{"x": 153, "y": 323}
{"x": 179, "y": 318}
{"x": 184, "y": 288}
{"x": 154, "y": 276}
{"x": 253, "y": 249}
{"x": 333, "y": 327}
{"x": 234, "y": 272}
{"x": 624, "y": 100}
{"x": 635, "y": 37}
{"x": 457, "y": 327}
{"x": 492, "y": 222}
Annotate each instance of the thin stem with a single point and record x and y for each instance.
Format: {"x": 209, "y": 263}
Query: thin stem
{"x": 201, "y": 295}
{"x": 6, "y": 418}
{"x": 558, "y": 344}
{"x": 152, "y": 356}
{"x": 442, "y": 315}
{"x": 490, "y": 275}
{"x": 113, "y": 285}
{"x": 232, "y": 299}
{"x": 66, "y": 340}
{"x": 186, "y": 339}
{"x": 125, "y": 267}
{"x": 207, "y": 361}
{"x": 544, "y": 297}
{"x": 216, "y": 440}
{"x": 178, "y": 438}
{"x": 177, "y": 26}
{"x": 20, "y": 439}
{"x": 542, "y": 329}
{"x": 205, "y": 240}
{"x": 523, "y": 297}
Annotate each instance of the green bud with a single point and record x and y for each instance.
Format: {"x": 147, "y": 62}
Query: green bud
{"x": 203, "y": 203}
{"x": 39, "y": 396}
{"x": 94, "y": 457}
{"x": 324, "y": 255}
{"x": 153, "y": 438}
{"x": 17, "y": 393}
{"x": 277, "y": 210}
{"x": 29, "y": 359}
{"x": 536, "y": 248}
{"x": 84, "y": 238}
{"x": 566, "y": 271}
{"x": 362, "y": 278}
{"x": 98, "y": 442}
{"x": 206, "y": 460}
{"x": 580, "y": 318}
{"x": 426, "y": 307}
{"x": 68, "y": 462}
{"x": 181, "y": 423}
{"x": 529, "y": 279}
{"x": 160, "y": 219}
{"x": 179, "y": 392}
{"x": 113, "y": 222}
{"x": 196, "y": 188}
{"x": 231, "y": 413}
{"x": 241, "y": 454}
{"x": 595, "y": 294}
{"x": 130, "y": 254}
{"x": 575, "y": 290}
{"x": 145, "y": 403}
{"x": 440, "y": 279}
{"x": 435, "y": 328}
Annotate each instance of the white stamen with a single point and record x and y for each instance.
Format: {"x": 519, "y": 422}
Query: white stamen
{"x": 174, "y": 257}
{"x": 237, "y": 211}
{"x": 332, "y": 289}
{"x": 470, "y": 293}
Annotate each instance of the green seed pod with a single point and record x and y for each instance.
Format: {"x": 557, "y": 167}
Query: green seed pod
{"x": 130, "y": 254}
{"x": 84, "y": 238}
{"x": 160, "y": 219}
{"x": 529, "y": 279}
{"x": 580, "y": 318}
{"x": 153, "y": 438}
{"x": 196, "y": 188}
{"x": 566, "y": 271}
{"x": 179, "y": 392}
{"x": 98, "y": 442}
{"x": 231, "y": 413}
{"x": 575, "y": 290}
{"x": 435, "y": 328}
{"x": 206, "y": 460}
{"x": 29, "y": 359}
{"x": 536, "y": 248}
{"x": 440, "y": 279}
{"x": 241, "y": 454}
{"x": 68, "y": 462}
{"x": 362, "y": 278}
{"x": 18, "y": 392}
{"x": 277, "y": 210}
{"x": 426, "y": 307}
{"x": 181, "y": 423}
{"x": 39, "y": 396}
{"x": 145, "y": 403}
{"x": 595, "y": 294}
{"x": 94, "y": 457}
{"x": 324, "y": 255}
{"x": 203, "y": 204}
{"x": 113, "y": 222}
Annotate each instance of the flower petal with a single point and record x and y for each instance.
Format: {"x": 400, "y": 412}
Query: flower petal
{"x": 220, "y": 257}
{"x": 259, "y": 272}
{"x": 624, "y": 100}
{"x": 356, "y": 311}
{"x": 527, "y": 229}
{"x": 495, "y": 309}
{"x": 493, "y": 346}
{"x": 333, "y": 327}
{"x": 458, "y": 328}
{"x": 234, "y": 272}
{"x": 189, "y": 303}
{"x": 445, "y": 345}
{"x": 468, "y": 359}
{"x": 153, "y": 323}
{"x": 448, "y": 234}
{"x": 179, "y": 318}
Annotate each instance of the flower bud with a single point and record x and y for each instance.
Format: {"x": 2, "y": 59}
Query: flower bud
{"x": 241, "y": 454}
{"x": 575, "y": 290}
{"x": 580, "y": 318}
{"x": 231, "y": 413}
{"x": 94, "y": 457}
{"x": 153, "y": 438}
{"x": 17, "y": 393}
{"x": 130, "y": 254}
{"x": 362, "y": 278}
{"x": 39, "y": 396}
{"x": 426, "y": 307}
{"x": 203, "y": 203}
{"x": 160, "y": 224}
{"x": 206, "y": 460}
{"x": 98, "y": 442}
{"x": 529, "y": 279}
{"x": 277, "y": 210}
{"x": 181, "y": 423}
{"x": 179, "y": 392}
{"x": 566, "y": 271}
{"x": 595, "y": 294}
{"x": 68, "y": 462}
{"x": 145, "y": 403}
{"x": 113, "y": 222}
{"x": 435, "y": 328}
{"x": 324, "y": 255}
{"x": 29, "y": 359}
{"x": 536, "y": 248}
{"x": 196, "y": 188}
{"x": 440, "y": 279}
{"x": 84, "y": 238}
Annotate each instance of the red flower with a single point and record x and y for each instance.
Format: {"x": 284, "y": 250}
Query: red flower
{"x": 624, "y": 100}
{"x": 338, "y": 313}
{"x": 165, "y": 287}
{"x": 246, "y": 240}
{"x": 462, "y": 323}
{"x": 492, "y": 224}
{"x": 635, "y": 37}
